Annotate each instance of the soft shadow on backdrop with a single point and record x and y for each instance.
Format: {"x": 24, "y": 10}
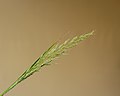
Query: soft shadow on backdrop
{"x": 29, "y": 27}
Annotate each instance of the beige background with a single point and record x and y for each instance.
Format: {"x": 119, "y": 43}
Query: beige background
{"x": 29, "y": 27}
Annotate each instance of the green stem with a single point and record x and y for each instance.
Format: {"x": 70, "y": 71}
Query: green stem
{"x": 9, "y": 88}
{"x": 21, "y": 78}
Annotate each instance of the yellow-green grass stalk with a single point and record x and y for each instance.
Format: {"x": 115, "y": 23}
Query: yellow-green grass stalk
{"x": 48, "y": 56}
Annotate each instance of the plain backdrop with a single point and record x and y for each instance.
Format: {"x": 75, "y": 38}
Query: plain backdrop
{"x": 29, "y": 27}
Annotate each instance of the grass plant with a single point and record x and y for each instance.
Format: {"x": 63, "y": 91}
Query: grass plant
{"x": 55, "y": 51}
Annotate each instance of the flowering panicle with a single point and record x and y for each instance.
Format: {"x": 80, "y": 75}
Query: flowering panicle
{"x": 48, "y": 56}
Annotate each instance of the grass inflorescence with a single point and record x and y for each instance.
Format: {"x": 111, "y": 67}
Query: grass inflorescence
{"x": 48, "y": 56}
